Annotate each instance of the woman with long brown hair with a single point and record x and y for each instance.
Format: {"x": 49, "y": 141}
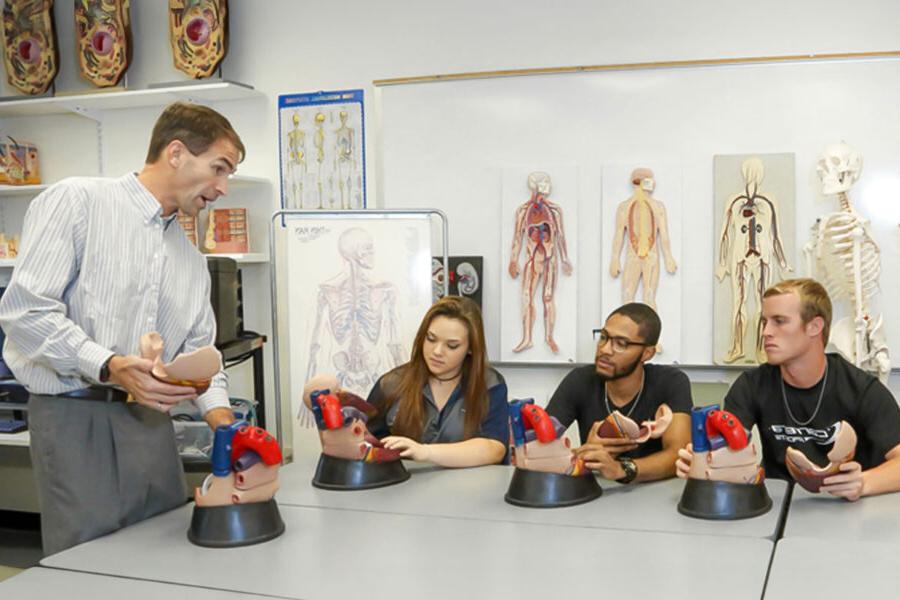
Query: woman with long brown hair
{"x": 446, "y": 405}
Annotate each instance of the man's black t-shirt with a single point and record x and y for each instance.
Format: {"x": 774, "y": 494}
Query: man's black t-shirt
{"x": 850, "y": 395}
{"x": 580, "y": 397}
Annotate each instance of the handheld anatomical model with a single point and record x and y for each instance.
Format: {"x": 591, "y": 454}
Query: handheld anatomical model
{"x": 245, "y": 463}
{"x": 344, "y": 160}
{"x": 341, "y": 419}
{"x": 359, "y": 315}
{"x": 319, "y": 143}
{"x": 643, "y": 218}
{"x": 722, "y": 448}
{"x": 29, "y": 45}
{"x": 749, "y": 241}
{"x": 193, "y": 369}
{"x": 539, "y": 441}
{"x": 843, "y": 256}
{"x": 810, "y": 475}
{"x": 540, "y": 222}
{"x": 296, "y": 163}
{"x": 104, "y": 40}
{"x": 617, "y": 425}
{"x": 209, "y": 240}
{"x": 197, "y": 30}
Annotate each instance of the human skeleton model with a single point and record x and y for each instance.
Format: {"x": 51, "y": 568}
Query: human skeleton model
{"x": 361, "y": 317}
{"x": 344, "y": 161}
{"x": 843, "y": 255}
{"x": 540, "y": 222}
{"x": 749, "y": 241}
{"x": 296, "y": 163}
{"x": 319, "y": 143}
{"x": 643, "y": 218}
{"x": 341, "y": 419}
{"x": 723, "y": 450}
{"x": 540, "y": 442}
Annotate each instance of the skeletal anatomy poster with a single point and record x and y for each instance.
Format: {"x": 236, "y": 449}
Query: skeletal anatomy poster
{"x": 321, "y": 141}
{"x": 753, "y": 247}
{"x": 357, "y": 289}
{"x": 539, "y": 257}
{"x": 641, "y": 245}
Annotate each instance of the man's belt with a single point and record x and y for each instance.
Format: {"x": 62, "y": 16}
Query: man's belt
{"x": 98, "y": 393}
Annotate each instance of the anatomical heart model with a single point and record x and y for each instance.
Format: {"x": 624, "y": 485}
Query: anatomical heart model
{"x": 198, "y": 30}
{"x": 103, "y": 40}
{"x": 29, "y": 45}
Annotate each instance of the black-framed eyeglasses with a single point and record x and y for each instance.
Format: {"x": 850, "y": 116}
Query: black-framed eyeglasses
{"x": 619, "y": 344}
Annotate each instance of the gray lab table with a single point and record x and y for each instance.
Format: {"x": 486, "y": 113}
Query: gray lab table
{"x": 478, "y": 494}
{"x": 49, "y": 584}
{"x": 818, "y": 568}
{"x": 329, "y": 553}
{"x": 873, "y": 519}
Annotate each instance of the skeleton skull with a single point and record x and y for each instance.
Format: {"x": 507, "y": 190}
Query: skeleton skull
{"x": 356, "y": 245}
{"x": 838, "y": 168}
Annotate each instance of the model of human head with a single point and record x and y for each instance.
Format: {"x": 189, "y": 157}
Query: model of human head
{"x": 341, "y": 418}
{"x": 723, "y": 450}
{"x": 245, "y": 463}
{"x": 539, "y": 182}
{"x": 617, "y": 425}
{"x": 356, "y": 246}
{"x": 643, "y": 178}
{"x": 810, "y": 475}
{"x": 295, "y": 119}
{"x": 539, "y": 441}
{"x": 191, "y": 369}
{"x": 838, "y": 168}
{"x": 752, "y": 170}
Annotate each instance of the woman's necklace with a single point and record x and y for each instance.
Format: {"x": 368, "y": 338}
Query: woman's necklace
{"x": 448, "y": 378}
{"x": 637, "y": 399}
{"x": 818, "y": 404}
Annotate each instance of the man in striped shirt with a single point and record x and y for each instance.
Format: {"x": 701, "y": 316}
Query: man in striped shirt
{"x": 102, "y": 262}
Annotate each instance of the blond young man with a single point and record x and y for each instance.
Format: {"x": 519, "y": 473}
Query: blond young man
{"x": 799, "y": 396}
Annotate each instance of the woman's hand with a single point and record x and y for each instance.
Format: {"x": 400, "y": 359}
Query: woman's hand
{"x": 408, "y": 448}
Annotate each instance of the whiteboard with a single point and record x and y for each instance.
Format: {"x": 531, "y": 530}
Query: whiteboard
{"x": 443, "y": 145}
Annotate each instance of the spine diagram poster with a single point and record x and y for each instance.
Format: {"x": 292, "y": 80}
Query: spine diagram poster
{"x": 641, "y": 245}
{"x": 753, "y": 247}
{"x": 538, "y": 250}
{"x": 321, "y": 141}
{"x": 357, "y": 290}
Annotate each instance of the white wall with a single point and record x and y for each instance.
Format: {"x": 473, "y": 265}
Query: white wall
{"x": 283, "y": 46}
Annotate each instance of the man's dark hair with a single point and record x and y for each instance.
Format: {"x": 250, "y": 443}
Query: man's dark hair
{"x": 646, "y": 318}
{"x": 194, "y": 125}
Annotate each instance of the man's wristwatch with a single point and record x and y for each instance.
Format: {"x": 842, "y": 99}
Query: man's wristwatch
{"x": 104, "y": 370}
{"x": 630, "y": 470}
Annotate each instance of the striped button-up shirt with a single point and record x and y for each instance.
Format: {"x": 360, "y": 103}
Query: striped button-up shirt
{"x": 99, "y": 267}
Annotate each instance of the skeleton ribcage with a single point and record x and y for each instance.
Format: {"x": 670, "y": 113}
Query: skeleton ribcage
{"x": 354, "y": 312}
{"x": 832, "y": 242}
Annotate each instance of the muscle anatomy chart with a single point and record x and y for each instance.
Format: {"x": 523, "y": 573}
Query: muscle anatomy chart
{"x": 755, "y": 225}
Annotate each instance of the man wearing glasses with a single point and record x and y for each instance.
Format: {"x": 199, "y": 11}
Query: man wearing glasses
{"x": 620, "y": 380}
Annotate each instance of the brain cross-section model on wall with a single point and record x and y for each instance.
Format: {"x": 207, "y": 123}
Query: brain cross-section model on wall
{"x": 359, "y": 316}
